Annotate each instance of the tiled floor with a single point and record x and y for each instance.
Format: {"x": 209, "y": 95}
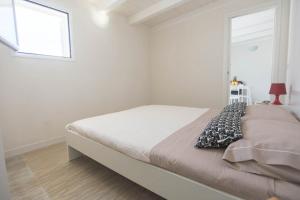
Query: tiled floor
{"x": 47, "y": 174}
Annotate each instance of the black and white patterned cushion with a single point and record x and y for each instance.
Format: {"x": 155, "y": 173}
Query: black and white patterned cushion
{"x": 236, "y": 107}
{"x": 221, "y": 131}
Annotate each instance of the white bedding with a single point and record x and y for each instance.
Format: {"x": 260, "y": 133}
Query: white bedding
{"x": 136, "y": 131}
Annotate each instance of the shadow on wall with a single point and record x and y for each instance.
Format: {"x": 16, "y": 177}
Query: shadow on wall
{"x": 294, "y": 101}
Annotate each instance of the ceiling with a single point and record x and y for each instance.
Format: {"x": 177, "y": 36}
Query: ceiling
{"x": 254, "y": 26}
{"x": 149, "y": 12}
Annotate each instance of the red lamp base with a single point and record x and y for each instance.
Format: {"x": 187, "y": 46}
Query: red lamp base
{"x": 277, "y": 101}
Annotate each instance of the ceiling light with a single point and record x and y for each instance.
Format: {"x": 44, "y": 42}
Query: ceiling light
{"x": 101, "y": 18}
{"x": 253, "y": 48}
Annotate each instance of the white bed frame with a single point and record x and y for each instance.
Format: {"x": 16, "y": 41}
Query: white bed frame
{"x": 162, "y": 182}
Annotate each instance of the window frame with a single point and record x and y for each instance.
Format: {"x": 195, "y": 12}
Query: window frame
{"x": 44, "y": 56}
{"x": 3, "y": 40}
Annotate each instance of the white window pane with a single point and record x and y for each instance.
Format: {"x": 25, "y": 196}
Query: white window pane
{"x": 42, "y": 30}
{"x": 7, "y": 24}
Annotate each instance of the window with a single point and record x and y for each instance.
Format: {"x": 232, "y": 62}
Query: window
{"x": 42, "y": 30}
{"x": 8, "y": 34}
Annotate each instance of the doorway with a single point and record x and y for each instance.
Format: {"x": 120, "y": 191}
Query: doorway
{"x": 251, "y": 56}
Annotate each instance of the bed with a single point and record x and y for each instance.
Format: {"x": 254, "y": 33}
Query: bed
{"x": 154, "y": 147}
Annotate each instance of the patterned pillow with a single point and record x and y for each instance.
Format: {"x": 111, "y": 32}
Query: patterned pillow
{"x": 221, "y": 131}
{"x": 236, "y": 107}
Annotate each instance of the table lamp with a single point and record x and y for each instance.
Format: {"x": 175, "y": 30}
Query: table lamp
{"x": 277, "y": 89}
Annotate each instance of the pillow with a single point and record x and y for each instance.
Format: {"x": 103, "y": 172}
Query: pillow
{"x": 239, "y": 107}
{"x": 221, "y": 131}
{"x": 268, "y": 142}
{"x": 270, "y": 112}
{"x": 280, "y": 172}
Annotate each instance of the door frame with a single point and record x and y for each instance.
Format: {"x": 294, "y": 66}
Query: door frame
{"x": 280, "y": 43}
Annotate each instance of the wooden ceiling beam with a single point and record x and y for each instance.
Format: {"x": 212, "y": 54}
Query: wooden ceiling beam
{"x": 107, "y": 5}
{"x": 154, "y": 10}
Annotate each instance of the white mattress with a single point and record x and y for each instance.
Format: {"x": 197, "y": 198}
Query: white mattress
{"x": 136, "y": 131}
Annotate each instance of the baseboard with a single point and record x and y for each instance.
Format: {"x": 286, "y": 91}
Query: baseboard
{"x": 32, "y": 147}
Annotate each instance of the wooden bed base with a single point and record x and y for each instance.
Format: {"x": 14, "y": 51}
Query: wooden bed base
{"x": 162, "y": 182}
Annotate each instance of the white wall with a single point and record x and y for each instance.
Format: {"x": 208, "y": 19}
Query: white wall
{"x": 38, "y": 97}
{"x": 187, "y": 55}
{"x": 254, "y": 67}
{"x": 294, "y": 58}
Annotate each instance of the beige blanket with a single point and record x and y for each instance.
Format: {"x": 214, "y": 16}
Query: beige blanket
{"x": 176, "y": 153}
